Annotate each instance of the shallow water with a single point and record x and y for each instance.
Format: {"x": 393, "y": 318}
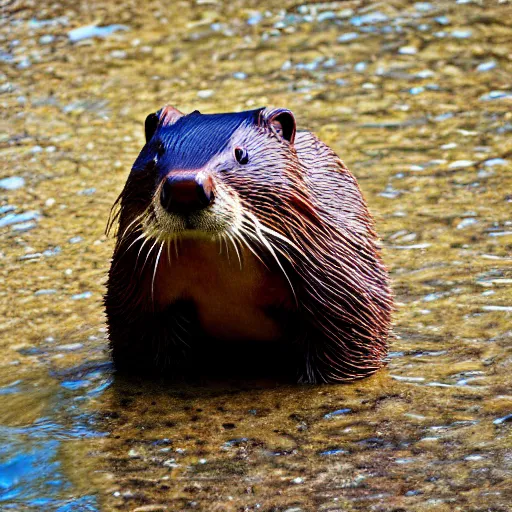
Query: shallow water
{"x": 416, "y": 98}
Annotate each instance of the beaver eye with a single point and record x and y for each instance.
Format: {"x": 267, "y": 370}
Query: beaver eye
{"x": 241, "y": 155}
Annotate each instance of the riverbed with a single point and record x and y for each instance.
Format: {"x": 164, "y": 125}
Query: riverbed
{"x": 416, "y": 98}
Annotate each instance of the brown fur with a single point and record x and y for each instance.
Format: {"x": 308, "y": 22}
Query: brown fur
{"x": 286, "y": 253}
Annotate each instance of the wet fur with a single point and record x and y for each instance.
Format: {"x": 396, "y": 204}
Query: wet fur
{"x": 294, "y": 218}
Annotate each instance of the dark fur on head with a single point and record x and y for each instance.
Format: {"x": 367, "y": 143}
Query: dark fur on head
{"x": 294, "y": 205}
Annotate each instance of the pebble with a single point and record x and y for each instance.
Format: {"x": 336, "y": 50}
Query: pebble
{"x": 443, "y": 117}
{"x": 466, "y": 223}
{"x": 255, "y": 19}
{"x": 390, "y": 193}
{"x": 408, "y": 50}
{"x": 7, "y": 208}
{"x": 413, "y": 246}
{"x": 89, "y": 31}
{"x": 339, "y": 412}
{"x": 31, "y": 256}
{"x": 48, "y": 291}
{"x": 118, "y": 54}
{"x": 46, "y": 39}
{"x": 507, "y": 309}
{"x": 486, "y": 66}
{"x": 461, "y": 34}
{"x": 24, "y": 63}
{"x": 87, "y": 191}
{"x": 70, "y": 347}
{"x": 474, "y": 457}
{"x": 327, "y": 15}
{"x": 205, "y": 93}
{"x": 298, "y": 480}
{"x": 433, "y": 296}
{"x": 423, "y": 6}
{"x": 15, "y": 218}
{"x": 368, "y": 19}
{"x": 504, "y": 419}
{"x": 23, "y": 226}
{"x": 405, "y": 378}
{"x": 425, "y": 73}
{"x": 334, "y": 451}
{"x": 79, "y": 296}
{"x": 460, "y": 164}
{"x": 496, "y": 95}
{"x": 349, "y": 36}
{"x": 52, "y": 252}
{"x": 495, "y": 161}
{"x": 442, "y": 20}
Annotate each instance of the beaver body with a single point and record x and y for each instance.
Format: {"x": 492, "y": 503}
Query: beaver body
{"x": 236, "y": 231}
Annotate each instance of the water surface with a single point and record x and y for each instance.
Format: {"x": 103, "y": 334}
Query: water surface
{"x": 416, "y": 98}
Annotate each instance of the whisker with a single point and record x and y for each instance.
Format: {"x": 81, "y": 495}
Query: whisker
{"x": 147, "y": 256}
{"x": 236, "y": 249}
{"x": 268, "y": 245}
{"x": 154, "y": 272}
{"x": 169, "y": 251}
{"x": 143, "y": 235}
{"x": 140, "y": 249}
{"x": 248, "y": 245}
{"x": 125, "y": 232}
{"x": 272, "y": 232}
{"x": 227, "y": 247}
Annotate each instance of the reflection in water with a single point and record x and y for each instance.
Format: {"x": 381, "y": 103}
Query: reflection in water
{"x": 416, "y": 99}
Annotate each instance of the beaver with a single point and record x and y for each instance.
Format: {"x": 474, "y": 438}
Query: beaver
{"x": 236, "y": 230}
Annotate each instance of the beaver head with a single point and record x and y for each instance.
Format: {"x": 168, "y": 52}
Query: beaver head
{"x": 293, "y": 214}
{"x": 205, "y": 175}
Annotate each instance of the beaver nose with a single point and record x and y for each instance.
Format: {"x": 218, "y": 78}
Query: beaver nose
{"x": 186, "y": 193}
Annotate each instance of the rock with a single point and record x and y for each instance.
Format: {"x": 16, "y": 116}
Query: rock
{"x": 79, "y": 296}
{"x": 369, "y": 19}
{"x": 15, "y": 218}
{"x": 339, "y": 412}
{"x": 90, "y": 31}
{"x": 486, "y": 66}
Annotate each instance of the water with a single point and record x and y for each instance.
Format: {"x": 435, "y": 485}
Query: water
{"x": 406, "y": 95}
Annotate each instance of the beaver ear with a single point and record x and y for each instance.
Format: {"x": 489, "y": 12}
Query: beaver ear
{"x": 283, "y": 121}
{"x": 165, "y": 116}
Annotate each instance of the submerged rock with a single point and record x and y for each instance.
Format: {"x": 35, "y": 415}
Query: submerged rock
{"x": 90, "y": 31}
{"x": 12, "y": 183}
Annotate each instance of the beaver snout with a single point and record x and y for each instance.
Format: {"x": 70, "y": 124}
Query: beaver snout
{"x": 186, "y": 192}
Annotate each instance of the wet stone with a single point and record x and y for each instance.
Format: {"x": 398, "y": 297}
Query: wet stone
{"x": 81, "y": 296}
{"x": 504, "y": 419}
{"x": 339, "y": 412}
{"x": 90, "y": 31}
{"x": 12, "y": 183}
{"x": 16, "y": 218}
